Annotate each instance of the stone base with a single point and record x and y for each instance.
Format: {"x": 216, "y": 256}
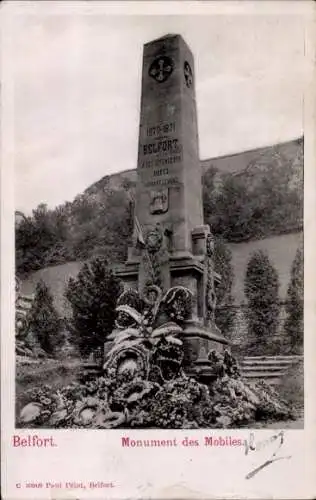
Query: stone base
{"x": 198, "y": 341}
{"x": 186, "y": 270}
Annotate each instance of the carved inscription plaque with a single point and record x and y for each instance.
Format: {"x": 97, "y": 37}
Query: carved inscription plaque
{"x": 160, "y": 151}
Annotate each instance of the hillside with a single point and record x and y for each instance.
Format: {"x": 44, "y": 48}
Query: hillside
{"x": 247, "y": 196}
{"x": 291, "y": 151}
{"x": 56, "y": 278}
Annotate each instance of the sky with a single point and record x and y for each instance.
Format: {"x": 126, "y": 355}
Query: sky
{"x": 77, "y": 85}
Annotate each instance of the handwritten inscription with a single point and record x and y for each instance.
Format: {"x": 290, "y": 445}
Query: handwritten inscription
{"x": 253, "y": 446}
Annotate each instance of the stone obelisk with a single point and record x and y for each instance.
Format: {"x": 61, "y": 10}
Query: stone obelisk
{"x": 168, "y": 204}
{"x": 168, "y": 168}
{"x": 168, "y": 208}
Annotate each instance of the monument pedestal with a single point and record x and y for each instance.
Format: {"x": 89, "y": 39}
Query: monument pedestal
{"x": 185, "y": 270}
{"x": 199, "y": 336}
{"x": 198, "y": 341}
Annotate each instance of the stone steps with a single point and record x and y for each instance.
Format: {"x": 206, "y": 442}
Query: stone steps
{"x": 272, "y": 358}
{"x": 261, "y": 374}
{"x": 268, "y": 368}
{"x": 263, "y": 368}
{"x": 267, "y": 364}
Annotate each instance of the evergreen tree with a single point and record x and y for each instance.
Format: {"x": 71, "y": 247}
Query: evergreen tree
{"x": 45, "y": 323}
{"x": 225, "y": 312}
{"x": 295, "y": 303}
{"x": 92, "y": 296}
{"x": 261, "y": 291}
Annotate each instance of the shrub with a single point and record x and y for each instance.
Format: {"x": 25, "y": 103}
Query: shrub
{"x": 295, "y": 303}
{"x": 45, "y": 323}
{"x": 261, "y": 291}
{"x": 291, "y": 387}
{"x": 225, "y": 312}
{"x": 92, "y": 296}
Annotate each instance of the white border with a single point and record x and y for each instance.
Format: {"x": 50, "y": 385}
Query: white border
{"x": 96, "y": 455}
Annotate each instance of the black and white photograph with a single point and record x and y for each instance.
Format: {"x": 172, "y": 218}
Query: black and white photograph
{"x": 158, "y": 211}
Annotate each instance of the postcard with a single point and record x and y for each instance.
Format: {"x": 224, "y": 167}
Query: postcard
{"x": 157, "y": 277}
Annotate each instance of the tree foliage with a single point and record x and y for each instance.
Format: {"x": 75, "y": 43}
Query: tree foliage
{"x": 254, "y": 203}
{"x": 92, "y": 296}
{"x": 295, "y": 302}
{"x": 94, "y": 224}
{"x": 45, "y": 323}
{"x": 262, "y": 293}
{"x": 225, "y": 312}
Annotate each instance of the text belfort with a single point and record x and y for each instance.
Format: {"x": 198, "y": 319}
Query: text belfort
{"x": 33, "y": 441}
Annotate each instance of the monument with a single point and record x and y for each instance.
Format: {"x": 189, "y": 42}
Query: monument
{"x": 172, "y": 246}
{"x": 166, "y": 364}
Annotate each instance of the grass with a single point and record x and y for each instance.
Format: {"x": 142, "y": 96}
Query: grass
{"x": 291, "y": 388}
{"x": 55, "y": 373}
